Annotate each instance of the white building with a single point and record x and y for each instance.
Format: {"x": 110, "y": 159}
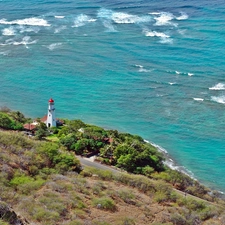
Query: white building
{"x": 51, "y": 119}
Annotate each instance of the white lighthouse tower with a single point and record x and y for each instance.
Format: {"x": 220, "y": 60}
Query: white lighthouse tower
{"x": 51, "y": 120}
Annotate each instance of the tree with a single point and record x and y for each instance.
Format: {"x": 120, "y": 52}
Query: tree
{"x": 42, "y": 131}
{"x": 5, "y": 121}
{"x": 18, "y": 116}
{"x": 68, "y": 141}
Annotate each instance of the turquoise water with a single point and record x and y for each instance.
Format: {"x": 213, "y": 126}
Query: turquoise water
{"x": 152, "y": 68}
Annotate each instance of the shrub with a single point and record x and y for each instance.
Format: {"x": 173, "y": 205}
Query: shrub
{"x": 127, "y": 221}
{"x": 28, "y": 187}
{"x": 126, "y": 195}
{"x": 43, "y": 215}
{"x": 20, "y": 179}
{"x": 105, "y": 203}
{"x": 3, "y": 223}
{"x": 178, "y": 219}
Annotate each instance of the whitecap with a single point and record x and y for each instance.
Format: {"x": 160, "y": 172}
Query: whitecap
{"x": 28, "y": 21}
{"x": 140, "y": 66}
{"x": 198, "y": 99}
{"x": 54, "y": 46}
{"x": 25, "y": 29}
{"x": 164, "y": 19}
{"x": 172, "y": 83}
{"x": 164, "y": 38}
{"x": 8, "y": 31}
{"x": 82, "y": 20}
{"x": 183, "y": 16}
{"x": 155, "y": 13}
{"x": 128, "y": 18}
{"x": 218, "y": 99}
{"x": 177, "y": 72}
{"x": 219, "y": 86}
{"x": 190, "y": 74}
{"x": 25, "y": 41}
{"x": 155, "y": 34}
{"x": 122, "y": 18}
{"x": 142, "y": 69}
{"x": 59, "y": 17}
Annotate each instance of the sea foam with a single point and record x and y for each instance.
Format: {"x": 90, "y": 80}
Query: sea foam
{"x": 110, "y": 28}
{"x": 156, "y": 34}
{"x": 28, "y": 21}
{"x": 59, "y": 17}
{"x": 170, "y": 162}
{"x": 54, "y": 46}
{"x": 198, "y": 99}
{"x": 59, "y": 29}
{"x": 25, "y": 41}
{"x": 164, "y": 38}
{"x": 142, "y": 69}
{"x": 164, "y": 19}
{"x": 122, "y": 18}
{"x": 25, "y": 29}
{"x": 219, "y": 86}
{"x": 8, "y": 31}
{"x": 218, "y": 99}
{"x": 82, "y": 20}
{"x": 183, "y": 16}
{"x": 127, "y": 18}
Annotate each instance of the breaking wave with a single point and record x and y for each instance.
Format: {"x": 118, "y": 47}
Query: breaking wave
{"x": 8, "y": 31}
{"x": 25, "y": 41}
{"x": 164, "y": 19}
{"x": 82, "y": 20}
{"x": 142, "y": 69}
{"x": 198, "y": 99}
{"x": 170, "y": 162}
{"x": 164, "y": 38}
{"x": 122, "y": 18}
{"x": 219, "y": 86}
{"x": 218, "y": 99}
{"x": 59, "y": 17}
{"x": 183, "y": 16}
{"x": 28, "y": 21}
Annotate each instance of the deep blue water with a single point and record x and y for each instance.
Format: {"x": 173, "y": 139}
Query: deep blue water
{"x": 152, "y": 68}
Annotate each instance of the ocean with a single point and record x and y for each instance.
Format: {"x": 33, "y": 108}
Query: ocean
{"x": 153, "y": 68}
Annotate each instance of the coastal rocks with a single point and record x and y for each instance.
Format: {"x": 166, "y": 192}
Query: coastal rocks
{"x": 8, "y": 214}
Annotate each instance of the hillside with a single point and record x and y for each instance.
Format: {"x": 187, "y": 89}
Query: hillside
{"x": 42, "y": 183}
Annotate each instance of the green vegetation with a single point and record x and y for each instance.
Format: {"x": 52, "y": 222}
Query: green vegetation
{"x": 44, "y": 181}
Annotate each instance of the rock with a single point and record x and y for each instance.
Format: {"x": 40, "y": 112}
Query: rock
{"x": 8, "y": 214}
{"x": 99, "y": 206}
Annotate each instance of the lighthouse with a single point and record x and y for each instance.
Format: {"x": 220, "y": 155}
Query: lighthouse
{"x": 51, "y": 120}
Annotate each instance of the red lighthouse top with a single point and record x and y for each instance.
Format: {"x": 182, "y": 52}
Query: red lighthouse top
{"x": 51, "y": 100}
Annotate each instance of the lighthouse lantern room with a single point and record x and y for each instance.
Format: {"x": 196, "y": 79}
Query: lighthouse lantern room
{"x": 51, "y": 120}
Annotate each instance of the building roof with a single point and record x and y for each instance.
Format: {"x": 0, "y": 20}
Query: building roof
{"x": 44, "y": 118}
{"x": 51, "y": 100}
{"x": 29, "y": 126}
